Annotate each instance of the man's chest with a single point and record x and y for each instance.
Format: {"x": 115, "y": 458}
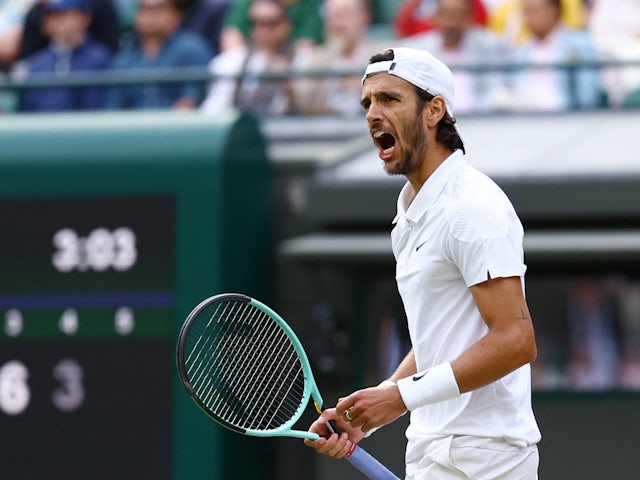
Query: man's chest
{"x": 423, "y": 261}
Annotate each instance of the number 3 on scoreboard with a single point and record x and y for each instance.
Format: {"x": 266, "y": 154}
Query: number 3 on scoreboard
{"x": 15, "y": 394}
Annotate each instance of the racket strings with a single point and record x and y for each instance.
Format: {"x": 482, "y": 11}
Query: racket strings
{"x": 212, "y": 360}
{"x": 277, "y": 395}
{"x": 200, "y": 331}
{"x": 261, "y": 385}
{"x": 267, "y": 386}
{"x": 280, "y": 392}
{"x": 250, "y": 370}
{"x": 243, "y": 366}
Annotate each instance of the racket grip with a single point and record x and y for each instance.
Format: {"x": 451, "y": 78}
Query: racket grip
{"x": 368, "y": 465}
{"x": 363, "y": 461}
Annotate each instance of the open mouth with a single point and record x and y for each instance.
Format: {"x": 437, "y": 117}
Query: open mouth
{"x": 385, "y": 142}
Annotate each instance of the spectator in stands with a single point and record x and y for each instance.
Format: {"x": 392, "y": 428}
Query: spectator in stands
{"x": 594, "y": 327}
{"x": 160, "y": 44}
{"x": 202, "y": 17}
{"x": 12, "y": 15}
{"x": 615, "y": 28}
{"x": 104, "y": 27}
{"x": 416, "y": 16}
{"x": 459, "y": 42}
{"x": 270, "y": 50}
{"x": 552, "y": 88}
{"x": 506, "y": 19}
{"x": 304, "y": 15}
{"x": 206, "y": 18}
{"x": 70, "y": 49}
{"x": 346, "y": 49}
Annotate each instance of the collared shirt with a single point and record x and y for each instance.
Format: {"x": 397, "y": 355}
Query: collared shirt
{"x": 57, "y": 62}
{"x": 459, "y": 230}
{"x": 182, "y": 49}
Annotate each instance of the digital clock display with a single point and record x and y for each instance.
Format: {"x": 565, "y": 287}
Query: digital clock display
{"x": 86, "y": 349}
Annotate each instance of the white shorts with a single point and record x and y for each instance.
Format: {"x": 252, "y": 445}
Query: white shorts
{"x": 473, "y": 458}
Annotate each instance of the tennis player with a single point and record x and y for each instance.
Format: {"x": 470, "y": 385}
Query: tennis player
{"x": 457, "y": 242}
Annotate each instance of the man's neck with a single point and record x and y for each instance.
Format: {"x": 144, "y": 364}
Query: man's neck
{"x": 69, "y": 42}
{"x": 452, "y": 40}
{"x": 151, "y": 45}
{"x": 433, "y": 160}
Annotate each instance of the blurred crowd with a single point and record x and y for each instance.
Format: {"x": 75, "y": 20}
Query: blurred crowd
{"x": 305, "y": 57}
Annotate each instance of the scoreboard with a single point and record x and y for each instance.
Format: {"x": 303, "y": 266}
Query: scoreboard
{"x": 87, "y": 305}
{"x": 114, "y": 226}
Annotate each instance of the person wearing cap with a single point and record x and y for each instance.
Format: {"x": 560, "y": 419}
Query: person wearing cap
{"x": 70, "y": 49}
{"x": 104, "y": 27}
{"x": 457, "y": 241}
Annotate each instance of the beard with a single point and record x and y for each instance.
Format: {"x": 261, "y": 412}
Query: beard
{"x": 413, "y": 154}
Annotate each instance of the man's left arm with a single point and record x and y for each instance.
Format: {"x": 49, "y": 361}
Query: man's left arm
{"x": 510, "y": 342}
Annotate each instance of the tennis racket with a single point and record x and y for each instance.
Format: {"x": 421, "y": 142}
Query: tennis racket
{"x": 245, "y": 367}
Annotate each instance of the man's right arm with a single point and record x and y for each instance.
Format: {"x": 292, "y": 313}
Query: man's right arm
{"x": 406, "y": 368}
{"x": 373, "y": 407}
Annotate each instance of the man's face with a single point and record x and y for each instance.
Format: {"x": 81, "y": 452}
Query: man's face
{"x": 347, "y": 20}
{"x": 453, "y": 18}
{"x": 157, "y": 17}
{"x": 270, "y": 28}
{"x": 396, "y": 125}
{"x": 66, "y": 25}
{"x": 540, "y": 16}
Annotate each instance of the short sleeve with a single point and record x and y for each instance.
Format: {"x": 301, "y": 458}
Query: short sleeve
{"x": 486, "y": 243}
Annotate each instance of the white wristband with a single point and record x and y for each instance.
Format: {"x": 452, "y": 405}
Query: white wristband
{"x": 434, "y": 385}
{"x": 382, "y": 384}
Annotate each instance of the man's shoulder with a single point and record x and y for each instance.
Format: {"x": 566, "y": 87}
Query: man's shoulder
{"x": 95, "y": 52}
{"x": 474, "y": 205}
{"x": 190, "y": 42}
{"x": 576, "y": 42}
{"x": 470, "y": 185}
{"x": 41, "y": 61}
{"x": 129, "y": 56}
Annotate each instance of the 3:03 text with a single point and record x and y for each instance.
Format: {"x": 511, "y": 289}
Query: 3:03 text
{"x": 100, "y": 250}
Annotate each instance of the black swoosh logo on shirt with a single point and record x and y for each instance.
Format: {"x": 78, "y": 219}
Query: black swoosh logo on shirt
{"x": 420, "y": 246}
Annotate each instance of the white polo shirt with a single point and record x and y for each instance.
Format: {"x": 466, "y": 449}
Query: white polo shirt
{"x": 459, "y": 229}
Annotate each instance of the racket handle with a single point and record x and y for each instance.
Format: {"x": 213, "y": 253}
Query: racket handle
{"x": 363, "y": 461}
{"x": 368, "y": 465}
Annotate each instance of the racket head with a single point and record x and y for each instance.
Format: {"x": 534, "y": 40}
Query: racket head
{"x": 244, "y": 366}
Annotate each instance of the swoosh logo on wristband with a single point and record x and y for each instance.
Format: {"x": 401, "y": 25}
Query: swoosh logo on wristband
{"x": 416, "y": 377}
